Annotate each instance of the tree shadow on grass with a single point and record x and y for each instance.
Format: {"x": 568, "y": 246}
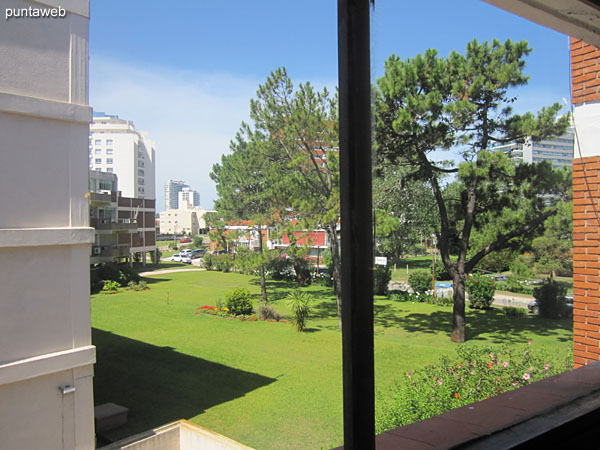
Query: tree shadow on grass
{"x": 160, "y": 385}
{"x": 497, "y": 327}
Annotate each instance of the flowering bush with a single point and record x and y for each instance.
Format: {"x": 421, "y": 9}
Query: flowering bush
{"x": 420, "y": 281}
{"x": 477, "y": 373}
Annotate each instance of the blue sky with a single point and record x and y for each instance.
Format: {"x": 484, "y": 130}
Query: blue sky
{"x": 186, "y": 72}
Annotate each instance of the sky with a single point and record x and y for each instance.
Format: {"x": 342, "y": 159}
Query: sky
{"x": 185, "y": 72}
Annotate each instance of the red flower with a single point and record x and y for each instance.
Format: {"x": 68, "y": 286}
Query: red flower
{"x": 457, "y": 395}
{"x": 489, "y": 365}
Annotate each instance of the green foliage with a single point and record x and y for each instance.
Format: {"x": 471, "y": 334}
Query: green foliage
{"x": 521, "y": 267}
{"x": 239, "y": 301}
{"x": 475, "y": 374}
{"x": 110, "y": 287}
{"x": 299, "y": 304}
{"x": 420, "y": 282}
{"x": 197, "y": 242}
{"x": 552, "y": 251}
{"x": 399, "y": 296}
{"x": 381, "y": 278}
{"x": 514, "y": 311}
{"x": 120, "y": 274}
{"x": 265, "y": 312}
{"x": 140, "y": 286}
{"x": 280, "y": 269}
{"x": 208, "y": 261}
{"x": 513, "y": 284}
{"x": 223, "y": 262}
{"x": 481, "y": 291}
{"x": 551, "y": 300}
{"x": 463, "y": 102}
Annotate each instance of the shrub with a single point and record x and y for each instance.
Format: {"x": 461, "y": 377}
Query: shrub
{"x": 475, "y": 374}
{"x": 551, "y": 300}
{"x": 420, "y": 281}
{"x": 140, "y": 286}
{"x": 514, "y": 311}
{"x": 399, "y": 296}
{"x": 239, "y": 301}
{"x": 223, "y": 262}
{"x": 323, "y": 279}
{"x": 299, "y": 303}
{"x": 110, "y": 287}
{"x": 481, "y": 291}
{"x": 120, "y": 273}
{"x": 381, "y": 278}
{"x": 265, "y": 312}
{"x": 209, "y": 261}
{"x": 440, "y": 272}
{"x": 437, "y": 300}
{"x": 280, "y": 269}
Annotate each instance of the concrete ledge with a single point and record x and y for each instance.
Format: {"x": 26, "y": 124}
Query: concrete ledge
{"x": 24, "y": 369}
{"x": 46, "y": 109}
{"x": 38, "y": 237}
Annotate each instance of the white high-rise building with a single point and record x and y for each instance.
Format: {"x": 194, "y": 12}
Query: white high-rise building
{"x": 172, "y": 190}
{"x": 188, "y": 195}
{"x": 117, "y": 147}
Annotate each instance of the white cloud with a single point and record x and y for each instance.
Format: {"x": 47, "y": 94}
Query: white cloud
{"x": 191, "y": 116}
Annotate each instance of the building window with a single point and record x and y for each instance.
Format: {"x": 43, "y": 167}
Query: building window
{"x": 98, "y": 142}
{"x": 141, "y": 172}
{"x": 140, "y": 155}
{"x": 98, "y": 161}
{"x": 98, "y": 151}
{"x": 109, "y": 151}
{"x": 141, "y": 181}
{"x": 141, "y": 190}
{"x": 109, "y": 161}
{"x": 109, "y": 142}
{"x": 140, "y": 163}
{"x": 109, "y": 170}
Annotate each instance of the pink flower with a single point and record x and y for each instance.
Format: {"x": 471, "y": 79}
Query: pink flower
{"x": 440, "y": 381}
{"x": 528, "y": 342}
{"x": 514, "y": 383}
{"x": 491, "y": 355}
{"x": 546, "y": 366}
{"x": 505, "y": 364}
{"x": 408, "y": 374}
{"x": 531, "y": 369}
{"x": 526, "y": 376}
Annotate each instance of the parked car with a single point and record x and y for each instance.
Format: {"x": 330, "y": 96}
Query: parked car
{"x": 185, "y": 240}
{"x": 186, "y": 259}
{"x": 535, "y": 309}
{"x": 198, "y": 253}
{"x": 176, "y": 257}
{"x": 186, "y": 252}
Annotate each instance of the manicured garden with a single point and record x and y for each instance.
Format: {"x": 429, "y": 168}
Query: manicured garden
{"x": 263, "y": 383}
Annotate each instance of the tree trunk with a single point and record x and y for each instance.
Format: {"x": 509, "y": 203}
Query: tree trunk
{"x": 458, "y": 310}
{"x": 263, "y": 284}
{"x": 337, "y": 267}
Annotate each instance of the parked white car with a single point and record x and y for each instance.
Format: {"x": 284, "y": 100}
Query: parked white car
{"x": 176, "y": 257}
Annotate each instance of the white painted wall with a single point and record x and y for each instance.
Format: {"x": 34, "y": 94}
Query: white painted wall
{"x": 44, "y": 235}
{"x": 586, "y": 118}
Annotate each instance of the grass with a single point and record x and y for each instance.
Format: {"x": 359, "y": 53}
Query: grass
{"x": 262, "y": 383}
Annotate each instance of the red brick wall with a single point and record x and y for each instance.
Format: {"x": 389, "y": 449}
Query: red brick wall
{"x": 585, "y": 72}
{"x": 586, "y": 260}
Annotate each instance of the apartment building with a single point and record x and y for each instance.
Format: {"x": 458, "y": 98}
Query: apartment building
{"x": 559, "y": 151}
{"x": 188, "y": 195}
{"x": 172, "y": 190}
{"x": 46, "y": 356}
{"x": 115, "y": 146}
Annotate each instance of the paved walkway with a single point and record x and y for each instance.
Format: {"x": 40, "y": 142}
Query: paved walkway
{"x": 160, "y": 272}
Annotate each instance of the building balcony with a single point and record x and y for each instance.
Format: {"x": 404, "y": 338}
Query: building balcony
{"x": 102, "y": 199}
{"x": 102, "y": 253}
{"x": 113, "y": 226}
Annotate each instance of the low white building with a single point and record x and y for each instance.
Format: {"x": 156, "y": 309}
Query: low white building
{"x": 185, "y": 220}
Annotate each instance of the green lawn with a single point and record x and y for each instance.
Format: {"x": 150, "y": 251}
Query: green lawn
{"x": 263, "y": 383}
